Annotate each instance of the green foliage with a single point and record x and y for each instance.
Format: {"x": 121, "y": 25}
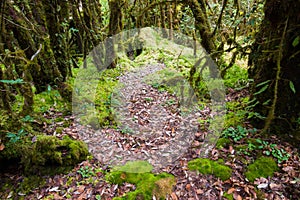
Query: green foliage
{"x": 296, "y": 41}
{"x": 207, "y": 166}
{"x": 16, "y": 137}
{"x": 12, "y": 82}
{"x": 272, "y": 149}
{"x": 262, "y": 167}
{"x": 147, "y": 184}
{"x": 105, "y": 88}
{"x": 237, "y": 133}
{"x": 236, "y": 77}
{"x": 268, "y": 149}
{"x": 44, "y": 101}
{"x": 86, "y": 172}
{"x": 292, "y": 87}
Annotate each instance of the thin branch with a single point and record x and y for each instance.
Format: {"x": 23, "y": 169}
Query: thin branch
{"x": 28, "y": 29}
{"x": 220, "y": 17}
{"x": 38, "y": 51}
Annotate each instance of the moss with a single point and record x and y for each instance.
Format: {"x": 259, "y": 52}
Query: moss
{"x": 135, "y": 167}
{"x": 241, "y": 147}
{"x": 59, "y": 129}
{"x": 51, "y": 151}
{"x": 147, "y": 184}
{"x": 236, "y": 76}
{"x": 207, "y": 166}
{"x": 49, "y": 99}
{"x": 237, "y": 113}
{"x": 223, "y": 142}
{"x": 234, "y": 119}
{"x": 228, "y": 196}
{"x": 29, "y": 183}
{"x": 262, "y": 167}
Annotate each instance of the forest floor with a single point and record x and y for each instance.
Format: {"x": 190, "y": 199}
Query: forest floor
{"x": 87, "y": 179}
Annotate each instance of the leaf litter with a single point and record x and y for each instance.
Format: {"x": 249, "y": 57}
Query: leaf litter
{"x": 190, "y": 185}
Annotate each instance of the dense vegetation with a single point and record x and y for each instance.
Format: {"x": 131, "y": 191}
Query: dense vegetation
{"x": 239, "y": 55}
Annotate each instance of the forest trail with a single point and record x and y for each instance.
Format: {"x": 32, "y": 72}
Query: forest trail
{"x": 152, "y": 125}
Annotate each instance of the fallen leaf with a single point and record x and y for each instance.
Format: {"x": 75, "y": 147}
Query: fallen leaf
{"x": 231, "y": 190}
{"x": 54, "y": 189}
{"x": 262, "y": 186}
{"x": 188, "y": 186}
{"x": 2, "y": 147}
{"x": 199, "y": 191}
{"x": 174, "y": 196}
{"x": 236, "y": 196}
{"x": 274, "y": 186}
{"x": 81, "y": 188}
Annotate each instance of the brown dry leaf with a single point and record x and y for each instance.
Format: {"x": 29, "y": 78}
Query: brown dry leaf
{"x": 236, "y": 196}
{"x": 231, "y": 190}
{"x": 199, "y": 191}
{"x": 81, "y": 188}
{"x": 188, "y": 186}
{"x": 174, "y": 196}
{"x": 2, "y": 147}
{"x": 274, "y": 186}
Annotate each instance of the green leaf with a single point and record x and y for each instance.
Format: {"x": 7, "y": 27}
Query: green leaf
{"x": 49, "y": 88}
{"x": 296, "y": 41}
{"x": 292, "y": 87}
{"x": 261, "y": 90}
{"x": 262, "y": 83}
{"x": 17, "y": 81}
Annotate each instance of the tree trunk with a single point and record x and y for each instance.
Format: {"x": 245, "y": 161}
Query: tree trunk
{"x": 275, "y": 65}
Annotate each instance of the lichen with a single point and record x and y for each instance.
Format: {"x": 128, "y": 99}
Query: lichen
{"x": 262, "y": 167}
{"x": 207, "y": 166}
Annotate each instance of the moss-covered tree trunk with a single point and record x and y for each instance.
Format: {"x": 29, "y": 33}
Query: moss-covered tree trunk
{"x": 114, "y": 27}
{"x": 275, "y": 68}
{"x": 202, "y": 25}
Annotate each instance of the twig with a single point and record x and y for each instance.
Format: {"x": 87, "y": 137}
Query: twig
{"x": 28, "y": 29}
{"x": 38, "y": 51}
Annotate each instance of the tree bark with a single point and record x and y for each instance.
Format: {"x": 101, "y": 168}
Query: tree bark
{"x": 275, "y": 61}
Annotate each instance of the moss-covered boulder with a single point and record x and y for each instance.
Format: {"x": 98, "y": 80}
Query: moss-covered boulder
{"x": 262, "y": 167}
{"x": 207, "y": 166}
{"x": 147, "y": 183}
{"x": 48, "y": 151}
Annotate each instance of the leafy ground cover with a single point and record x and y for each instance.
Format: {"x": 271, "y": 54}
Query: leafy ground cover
{"x": 242, "y": 165}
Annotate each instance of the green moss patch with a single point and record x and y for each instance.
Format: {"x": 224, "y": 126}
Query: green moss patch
{"x": 147, "y": 184}
{"x": 46, "y": 154}
{"x": 228, "y": 196}
{"x": 135, "y": 167}
{"x": 262, "y": 167}
{"x": 207, "y": 166}
{"x": 222, "y": 142}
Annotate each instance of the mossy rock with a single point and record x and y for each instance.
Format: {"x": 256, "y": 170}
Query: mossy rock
{"x": 52, "y": 151}
{"x": 262, "y": 167}
{"x": 207, "y": 166}
{"x": 223, "y": 142}
{"x": 147, "y": 184}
